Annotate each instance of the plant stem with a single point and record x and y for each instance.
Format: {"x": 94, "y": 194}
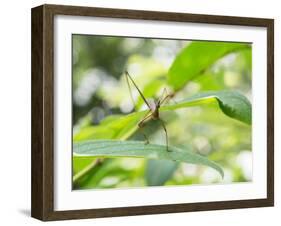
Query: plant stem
{"x": 87, "y": 169}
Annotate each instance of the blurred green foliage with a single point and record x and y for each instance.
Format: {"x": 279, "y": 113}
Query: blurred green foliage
{"x": 102, "y": 108}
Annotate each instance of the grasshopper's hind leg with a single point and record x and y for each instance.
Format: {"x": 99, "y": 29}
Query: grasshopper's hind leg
{"x": 141, "y": 125}
{"x": 166, "y": 134}
{"x": 144, "y": 135}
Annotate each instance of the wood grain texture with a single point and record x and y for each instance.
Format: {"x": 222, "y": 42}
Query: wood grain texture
{"x": 42, "y": 113}
{"x": 270, "y": 111}
{"x": 43, "y": 106}
{"x": 37, "y": 114}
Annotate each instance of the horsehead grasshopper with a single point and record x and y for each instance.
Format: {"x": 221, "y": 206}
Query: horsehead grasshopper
{"x": 153, "y": 108}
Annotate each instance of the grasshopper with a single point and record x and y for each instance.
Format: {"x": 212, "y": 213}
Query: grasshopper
{"x": 153, "y": 108}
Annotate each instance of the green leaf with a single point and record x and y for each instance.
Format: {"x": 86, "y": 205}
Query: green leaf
{"x": 114, "y": 128}
{"x": 159, "y": 171}
{"x": 94, "y": 132}
{"x": 95, "y": 175}
{"x": 211, "y": 81}
{"x": 115, "y": 148}
{"x": 232, "y": 103}
{"x": 79, "y": 163}
{"x": 194, "y": 59}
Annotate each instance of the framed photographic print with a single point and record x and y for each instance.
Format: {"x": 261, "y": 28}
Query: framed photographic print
{"x": 141, "y": 112}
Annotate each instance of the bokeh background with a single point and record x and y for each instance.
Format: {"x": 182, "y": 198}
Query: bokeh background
{"x": 100, "y": 92}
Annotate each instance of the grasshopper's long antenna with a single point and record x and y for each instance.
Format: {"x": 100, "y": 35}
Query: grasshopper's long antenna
{"x": 142, "y": 96}
{"x": 130, "y": 91}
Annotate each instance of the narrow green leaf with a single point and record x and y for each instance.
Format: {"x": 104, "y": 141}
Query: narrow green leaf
{"x": 115, "y": 128}
{"x": 116, "y": 148}
{"x": 232, "y": 103}
{"x": 94, "y": 132}
{"x": 197, "y": 57}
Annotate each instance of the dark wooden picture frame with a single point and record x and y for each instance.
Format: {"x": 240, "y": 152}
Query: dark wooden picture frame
{"x": 42, "y": 203}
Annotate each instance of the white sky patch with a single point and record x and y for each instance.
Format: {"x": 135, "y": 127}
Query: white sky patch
{"x": 209, "y": 176}
{"x": 244, "y": 160}
{"x": 88, "y": 86}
